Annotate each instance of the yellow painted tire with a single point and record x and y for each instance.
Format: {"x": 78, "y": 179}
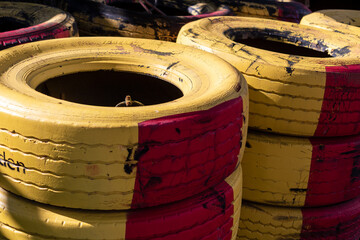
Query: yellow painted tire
{"x": 297, "y": 172}
{"x": 289, "y": 94}
{"x": 339, "y": 20}
{"x": 28, "y": 22}
{"x": 340, "y": 221}
{"x": 60, "y": 152}
{"x": 212, "y": 214}
{"x": 280, "y": 10}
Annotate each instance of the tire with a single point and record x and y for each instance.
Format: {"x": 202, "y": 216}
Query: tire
{"x": 297, "y": 172}
{"x": 98, "y": 19}
{"x": 284, "y": 11}
{"x": 208, "y": 215}
{"x": 122, "y": 158}
{"x": 339, "y": 221}
{"x": 289, "y": 94}
{"x": 28, "y": 22}
{"x": 339, "y": 20}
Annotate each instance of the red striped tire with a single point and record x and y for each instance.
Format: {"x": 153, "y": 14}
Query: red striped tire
{"x": 292, "y": 91}
{"x": 290, "y": 171}
{"x": 122, "y": 157}
{"x": 28, "y": 22}
{"x": 213, "y": 214}
{"x": 340, "y": 221}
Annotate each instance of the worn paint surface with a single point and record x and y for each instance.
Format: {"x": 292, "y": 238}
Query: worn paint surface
{"x": 259, "y": 221}
{"x": 340, "y": 221}
{"x": 210, "y": 215}
{"x": 277, "y": 169}
{"x": 340, "y": 111}
{"x": 287, "y": 91}
{"x": 182, "y": 154}
{"x": 289, "y": 171}
{"x": 339, "y": 20}
{"x": 93, "y": 151}
{"x": 334, "y": 173}
{"x": 44, "y": 23}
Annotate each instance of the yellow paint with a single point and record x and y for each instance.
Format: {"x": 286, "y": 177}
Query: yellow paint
{"x": 267, "y": 222}
{"x": 339, "y": 20}
{"x": 286, "y": 91}
{"x": 274, "y": 164}
{"x": 72, "y": 151}
{"x": 236, "y": 181}
{"x": 20, "y": 218}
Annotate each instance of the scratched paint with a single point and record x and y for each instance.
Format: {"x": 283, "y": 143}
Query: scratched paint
{"x": 289, "y": 94}
{"x": 212, "y": 214}
{"x": 172, "y": 164}
{"x": 340, "y": 221}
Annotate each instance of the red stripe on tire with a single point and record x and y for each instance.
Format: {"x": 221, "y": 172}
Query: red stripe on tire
{"x": 340, "y": 112}
{"x": 341, "y": 221}
{"x": 181, "y": 155}
{"x": 206, "y": 216}
{"x": 334, "y": 172}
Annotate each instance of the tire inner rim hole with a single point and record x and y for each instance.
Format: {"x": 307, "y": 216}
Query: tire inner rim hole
{"x": 277, "y": 41}
{"x": 108, "y": 88}
{"x": 10, "y": 24}
{"x": 136, "y": 7}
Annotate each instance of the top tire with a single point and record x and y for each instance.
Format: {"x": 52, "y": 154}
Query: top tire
{"x": 29, "y": 22}
{"x": 279, "y": 10}
{"x": 339, "y": 20}
{"x": 60, "y": 152}
{"x": 291, "y": 92}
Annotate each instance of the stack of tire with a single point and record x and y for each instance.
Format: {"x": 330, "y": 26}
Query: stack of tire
{"x": 127, "y": 18}
{"x": 75, "y": 167}
{"x": 301, "y": 163}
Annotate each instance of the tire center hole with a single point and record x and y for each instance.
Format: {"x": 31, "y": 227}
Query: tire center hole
{"x": 108, "y": 88}
{"x": 10, "y": 24}
{"x": 275, "y": 43}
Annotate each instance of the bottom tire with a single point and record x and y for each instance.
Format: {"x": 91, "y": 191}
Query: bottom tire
{"x": 212, "y": 214}
{"x": 296, "y": 172}
{"x": 340, "y": 221}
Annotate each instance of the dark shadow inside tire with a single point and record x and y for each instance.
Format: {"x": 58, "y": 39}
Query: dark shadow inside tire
{"x": 10, "y": 24}
{"x": 136, "y": 7}
{"x": 277, "y": 43}
{"x": 108, "y": 88}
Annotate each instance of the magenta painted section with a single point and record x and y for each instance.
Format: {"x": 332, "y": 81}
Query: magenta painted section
{"x": 47, "y": 30}
{"x": 335, "y": 170}
{"x": 204, "y": 216}
{"x": 181, "y": 155}
{"x": 340, "y": 112}
{"x": 340, "y": 221}
{"x": 290, "y": 11}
